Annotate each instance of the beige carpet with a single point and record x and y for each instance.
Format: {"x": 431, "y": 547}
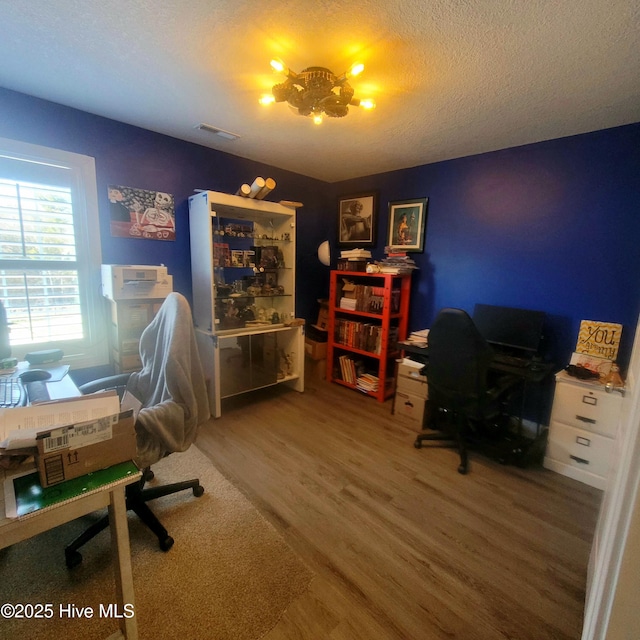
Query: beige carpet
{"x": 229, "y": 576}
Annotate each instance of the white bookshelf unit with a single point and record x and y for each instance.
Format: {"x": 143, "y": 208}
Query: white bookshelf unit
{"x": 243, "y": 270}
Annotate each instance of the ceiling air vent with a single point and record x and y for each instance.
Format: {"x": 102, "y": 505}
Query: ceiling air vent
{"x": 227, "y": 135}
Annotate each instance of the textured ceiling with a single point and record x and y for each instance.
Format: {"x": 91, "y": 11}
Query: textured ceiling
{"x": 450, "y": 78}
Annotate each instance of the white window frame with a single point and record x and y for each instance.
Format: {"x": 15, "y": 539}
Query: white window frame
{"x": 93, "y": 349}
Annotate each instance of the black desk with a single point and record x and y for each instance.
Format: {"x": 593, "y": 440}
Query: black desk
{"x": 536, "y": 372}
{"x": 520, "y": 448}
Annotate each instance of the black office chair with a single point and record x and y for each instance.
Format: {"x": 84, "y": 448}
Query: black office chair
{"x": 172, "y": 392}
{"x": 463, "y": 400}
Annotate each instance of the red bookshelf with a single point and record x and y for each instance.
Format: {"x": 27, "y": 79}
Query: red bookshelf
{"x": 368, "y": 315}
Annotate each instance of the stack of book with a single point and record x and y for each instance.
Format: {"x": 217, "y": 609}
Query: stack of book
{"x": 396, "y": 262}
{"x": 368, "y": 383}
{"x": 419, "y": 338}
{"x": 355, "y": 254}
{"x": 354, "y": 260}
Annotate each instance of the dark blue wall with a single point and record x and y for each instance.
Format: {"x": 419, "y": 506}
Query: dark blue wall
{"x": 553, "y": 226}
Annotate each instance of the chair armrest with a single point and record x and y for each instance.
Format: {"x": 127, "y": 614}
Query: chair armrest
{"x": 119, "y": 381}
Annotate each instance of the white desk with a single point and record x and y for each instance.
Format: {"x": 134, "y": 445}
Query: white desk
{"x": 13, "y": 531}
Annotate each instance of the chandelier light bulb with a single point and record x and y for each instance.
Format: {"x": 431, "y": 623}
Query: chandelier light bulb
{"x": 317, "y": 118}
{"x": 367, "y": 103}
{"x": 267, "y": 99}
{"x": 278, "y": 65}
{"x": 356, "y": 69}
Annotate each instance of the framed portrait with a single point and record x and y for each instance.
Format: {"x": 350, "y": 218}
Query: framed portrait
{"x": 357, "y": 220}
{"x": 407, "y": 223}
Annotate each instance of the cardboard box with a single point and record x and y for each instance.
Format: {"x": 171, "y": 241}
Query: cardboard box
{"x": 411, "y": 369}
{"x": 409, "y": 408}
{"x": 349, "y": 290}
{"x": 316, "y": 369}
{"x": 414, "y": 386}
{"x": 315, "y": 350}
{"x": 72, "y": 451}
{"x": 323, "y": 315}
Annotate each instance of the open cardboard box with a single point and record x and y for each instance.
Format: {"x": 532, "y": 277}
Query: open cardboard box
{"x": 68, "y": 452}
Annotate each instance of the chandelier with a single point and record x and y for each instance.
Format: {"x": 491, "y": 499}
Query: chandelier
{"x": 316, "y": 91}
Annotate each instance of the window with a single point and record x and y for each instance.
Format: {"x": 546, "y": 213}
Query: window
{"x": 50, "y": 253}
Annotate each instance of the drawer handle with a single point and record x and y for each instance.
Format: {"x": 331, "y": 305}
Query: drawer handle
{"x": 580, "y": 460}
{"x": 590, "y": 400}
{"x": 583, "y": 419}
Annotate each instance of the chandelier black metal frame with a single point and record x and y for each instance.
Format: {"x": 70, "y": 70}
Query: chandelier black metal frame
{"x": 316, "y": 91}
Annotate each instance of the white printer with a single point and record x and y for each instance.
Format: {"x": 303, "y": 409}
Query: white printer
{"x": 132, "y": 282}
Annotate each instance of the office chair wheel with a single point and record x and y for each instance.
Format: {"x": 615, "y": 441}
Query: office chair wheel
{"x": 72, "y": 559}
{"x": 198, "y": 491}
{"x": 148, "y": 475}
{"x": 418, "y": 444}
{"x": 166, "y": 544}
{"x": 462, "y": 469}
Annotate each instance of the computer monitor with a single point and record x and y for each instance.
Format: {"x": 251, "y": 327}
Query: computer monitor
{"x": 510, "y": 328}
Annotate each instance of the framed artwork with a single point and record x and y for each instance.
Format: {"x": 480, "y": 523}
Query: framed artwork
{"x": 357, "y": 220}
{"x": 137, "y": 213}
{"x": 407, "y": 223}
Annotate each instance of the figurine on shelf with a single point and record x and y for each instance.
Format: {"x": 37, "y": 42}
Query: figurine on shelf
{"x": 613, "y": 380}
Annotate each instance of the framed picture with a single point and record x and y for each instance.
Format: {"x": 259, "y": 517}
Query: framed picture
{"x": 357, "y": 220}
{"x": 407, "y": 223}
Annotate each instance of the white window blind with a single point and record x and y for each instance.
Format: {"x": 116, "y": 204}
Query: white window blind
{"x": 50, "y": 253}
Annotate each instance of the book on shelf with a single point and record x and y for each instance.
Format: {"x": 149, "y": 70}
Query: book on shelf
{"x": 368, "y": 298}
{"x": 350, "y": 369}
{"x": 397, "y": 263}
{"x": 368, "y": 383}
{"x": 25, "y": 497}
{"x": 355, "y": 254}
{"x": 361, "y": 335}
{"x": 346, "y": 369}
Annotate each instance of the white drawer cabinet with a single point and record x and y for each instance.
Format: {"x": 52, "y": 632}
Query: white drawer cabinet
{"x": 583, "y": 426}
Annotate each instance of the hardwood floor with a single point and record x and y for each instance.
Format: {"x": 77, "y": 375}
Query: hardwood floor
{"x": 402, "y": 545}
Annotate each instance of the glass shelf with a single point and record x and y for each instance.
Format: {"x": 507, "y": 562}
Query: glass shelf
{"x": 217, "y": 236}
{"x": 259, "y": 269}
{"x": 248, "y": 297}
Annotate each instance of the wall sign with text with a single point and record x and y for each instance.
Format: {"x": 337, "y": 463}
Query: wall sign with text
{"x": 599, "y": 339}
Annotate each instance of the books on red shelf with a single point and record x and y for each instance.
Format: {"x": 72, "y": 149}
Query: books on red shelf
{"x": 355, "y": 254}
{"x": 368, "y": 383}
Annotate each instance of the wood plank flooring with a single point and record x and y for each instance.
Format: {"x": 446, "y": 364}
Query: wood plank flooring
{"x": 402, "y": 545}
